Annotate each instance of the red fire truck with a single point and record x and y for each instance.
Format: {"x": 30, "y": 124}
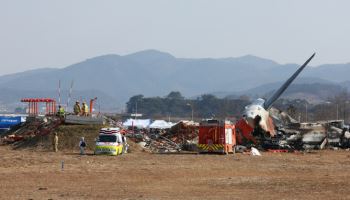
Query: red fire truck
{"x": 216, "y": 136}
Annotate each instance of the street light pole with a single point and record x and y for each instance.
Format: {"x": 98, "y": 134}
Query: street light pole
{"x": 191, "y": 109}
{"x": 136, "y": 110}
{"x": 305, "y": 112}
{"x": 337, "y": 111}
{"x": 328, "y": 104}
{"x": 192, "y": 112}
{"x": 344, "y": 109}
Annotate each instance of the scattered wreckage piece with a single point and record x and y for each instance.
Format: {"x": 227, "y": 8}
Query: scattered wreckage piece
{"x": 278, "y": 150}
{"x": 255, "y": 152}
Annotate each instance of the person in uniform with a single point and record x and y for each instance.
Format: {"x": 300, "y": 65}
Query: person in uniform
{"x": 85, "y": 109}
{"x": 61, "y": 112}
{"x": 76, "y": 108}
{"x": 55, "y": 142}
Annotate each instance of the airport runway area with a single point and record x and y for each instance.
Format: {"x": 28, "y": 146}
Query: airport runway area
{"x": 141, "y": 175}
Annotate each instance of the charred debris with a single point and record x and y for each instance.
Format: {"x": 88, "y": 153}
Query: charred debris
{"x": 293, "y": 135}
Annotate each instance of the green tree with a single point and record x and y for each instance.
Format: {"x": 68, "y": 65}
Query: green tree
{"x": 175, "y": 95}
{"x": 133, "y": 103}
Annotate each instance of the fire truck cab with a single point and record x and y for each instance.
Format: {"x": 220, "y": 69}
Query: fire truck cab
{"x": 216, "y": 136}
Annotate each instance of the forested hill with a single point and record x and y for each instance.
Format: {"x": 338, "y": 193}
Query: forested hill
{"x": 155, "y": 73}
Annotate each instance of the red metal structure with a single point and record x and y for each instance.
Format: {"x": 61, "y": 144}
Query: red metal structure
{"x": 244, "y": 132}
{"x": 33, "y": 108}
{"x": 92, "y": 104}
{"x": 216, "y": 137}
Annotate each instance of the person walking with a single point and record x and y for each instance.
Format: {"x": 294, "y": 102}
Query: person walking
{"x": 125, "y": 145}
{"x": 76, "y": 108}
{"x": 82, "y": 145}
{"x": 55, "y": 142}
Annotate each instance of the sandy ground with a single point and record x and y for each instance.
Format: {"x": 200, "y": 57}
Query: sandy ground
{"x": 28, "y": 174}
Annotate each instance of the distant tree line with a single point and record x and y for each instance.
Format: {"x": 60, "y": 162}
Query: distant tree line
{"x": 175, "y": 105}
{"x": 207, "y": 106}
{"x": 336, "y": 107}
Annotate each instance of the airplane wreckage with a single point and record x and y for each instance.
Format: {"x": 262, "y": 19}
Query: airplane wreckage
{"x": 268, "y": 128}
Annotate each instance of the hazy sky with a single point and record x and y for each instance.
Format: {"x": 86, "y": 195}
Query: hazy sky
{"x": 42, "y": 33}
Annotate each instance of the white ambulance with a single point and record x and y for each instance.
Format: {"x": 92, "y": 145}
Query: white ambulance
{"x": 109, "y": 142}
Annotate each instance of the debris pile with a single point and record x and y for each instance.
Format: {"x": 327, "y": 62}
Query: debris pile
{"x": 162, "y": 145}
{"x": 183, "y": 132}
{"x": 36, "y": 126}
{"x": 291, "y": 135}
{"x": 178, "y": 137}
{"x": 294, "y": 135}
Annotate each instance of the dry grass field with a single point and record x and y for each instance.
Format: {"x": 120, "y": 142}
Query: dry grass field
{"x": 33, "y": 174}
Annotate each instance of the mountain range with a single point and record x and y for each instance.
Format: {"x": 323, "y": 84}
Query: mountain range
{"x": 114, "y": 78}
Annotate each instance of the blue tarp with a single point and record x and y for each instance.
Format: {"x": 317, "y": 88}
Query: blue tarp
{"x": 7, "y": 122}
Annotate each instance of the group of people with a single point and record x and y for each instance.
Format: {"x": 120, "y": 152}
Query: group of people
{"x": 83, "y": 110}
{"x": 78, "y": 110}
{"x": 82, "y": 144}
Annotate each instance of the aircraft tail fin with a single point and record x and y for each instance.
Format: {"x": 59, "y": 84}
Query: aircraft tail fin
{"x": 268, "y": 103}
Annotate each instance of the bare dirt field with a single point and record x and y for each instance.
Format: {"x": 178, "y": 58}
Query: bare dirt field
{"x": 26, "y": 174}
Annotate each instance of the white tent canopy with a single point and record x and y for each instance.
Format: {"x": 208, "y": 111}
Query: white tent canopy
{"x": 139, "y": 123}
{"x": 161, "y": 124}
